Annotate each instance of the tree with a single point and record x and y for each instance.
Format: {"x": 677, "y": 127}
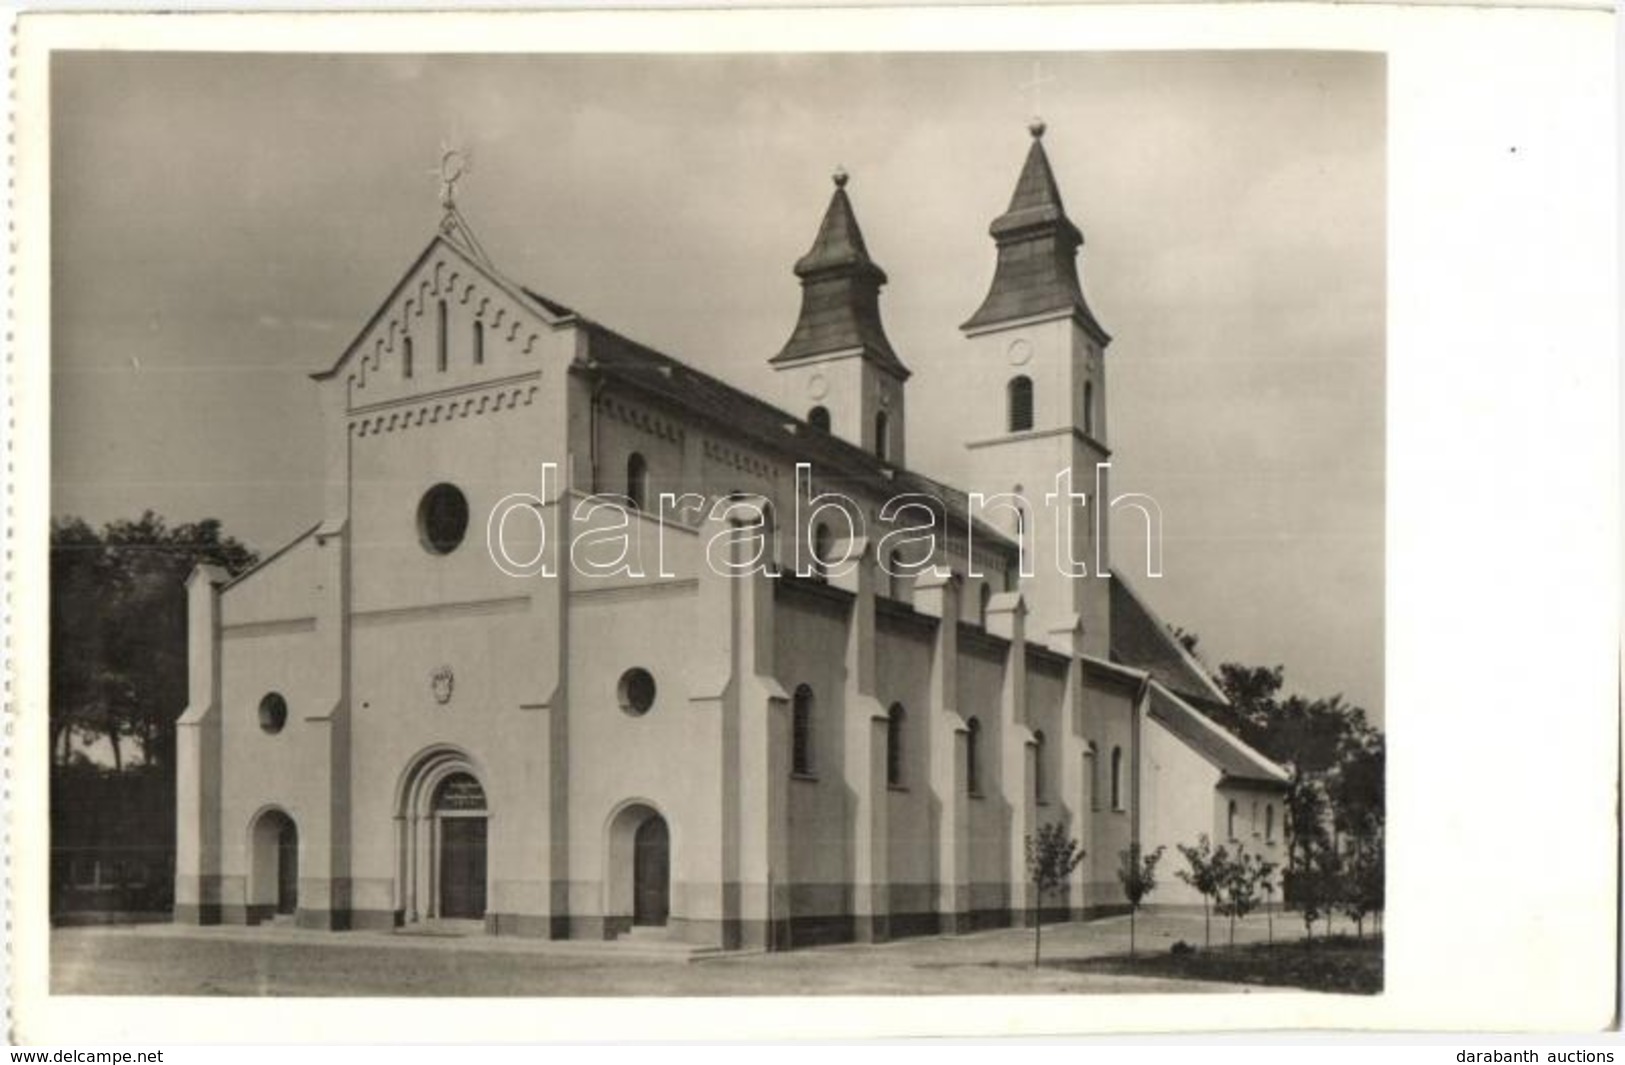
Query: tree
{"x": 1266, "y": 884}
{"x": 1307, "y": 818}
{"x": 1357, "y": 786}
{"x": 78, "y": 571}
{"x": 118, "y": 629}
{"x": 1206, "y": 873}
{"x": 1317, "y": 887}
{"x": 1374, "y": 882}
{"x": 1335, "y": 797}
{"x": 1355, "y": 790}
{"x": 1239, "y": 884}
{"x": 1052, "y": 855}
{"x": 1251, "y": 691}
{"x": 1362, "y": 893}
{"x": 1310, "y": 734}
{"x": 1138, "y": 875}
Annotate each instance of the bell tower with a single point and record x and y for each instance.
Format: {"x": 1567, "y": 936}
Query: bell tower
{"x": 1035, "y": 371}
{"x": 838, "y": 369}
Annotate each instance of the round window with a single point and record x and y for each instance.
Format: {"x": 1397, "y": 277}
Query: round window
{"x": 443, "y": 518}
{"x": 273, "y": 713}
{"x": 637, "y": 692}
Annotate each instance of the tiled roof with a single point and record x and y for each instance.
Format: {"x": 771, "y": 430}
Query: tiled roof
{"x": 839, "y": 244}
{"x": 1037, "y": 270}
{"x": 1139, "y": 638}
{"x": 553, "y": 307}
{"x": 614, "y": 356}
{"x": 1036, "y": 203}
{"x": 1229, "y": 755}
{"x": 744, "y": 416}
{"x": 739, "y": 413}
{"x": 840, "y": 293}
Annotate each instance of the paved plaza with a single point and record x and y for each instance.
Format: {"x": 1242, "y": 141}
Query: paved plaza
{"x": 167, "y": 959}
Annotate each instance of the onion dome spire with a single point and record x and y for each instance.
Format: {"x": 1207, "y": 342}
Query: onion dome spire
{"x": 1038, "y": 245}
{"x": 840, "y": 292}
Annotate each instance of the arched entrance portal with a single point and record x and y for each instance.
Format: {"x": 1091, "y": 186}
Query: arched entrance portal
{"x": 442, "y": 832}
{"x": 638, "y": 877}
{"x": 273, "y": 886}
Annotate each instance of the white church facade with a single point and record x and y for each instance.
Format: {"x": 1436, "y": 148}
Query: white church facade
{"x": 837, "y": 734}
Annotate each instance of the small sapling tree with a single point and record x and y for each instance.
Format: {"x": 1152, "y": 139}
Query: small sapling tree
{"x": 1362, "y": 887}
{"x": 1333, "y": 885}
{"x": 1206, "y": 874}
{"x": 1051, "y": 857}
{"x": 1266, "y": 884}
{"x": 1316, "y": 885}
{"x": 1138, "y": 875}
{"x": 1238, "y": 888}
{"x": 1376, "y": 876}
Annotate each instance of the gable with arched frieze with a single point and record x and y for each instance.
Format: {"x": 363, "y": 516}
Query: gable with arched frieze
{"x": 451, "y": 329}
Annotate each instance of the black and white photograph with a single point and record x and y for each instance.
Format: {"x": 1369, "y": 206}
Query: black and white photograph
{"x": 421, "y": 439}
{"x": 724, "y": 523}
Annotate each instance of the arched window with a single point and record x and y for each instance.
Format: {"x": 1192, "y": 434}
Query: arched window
{"x": 406, "y": 356}
{"x": 770, "y": 535}
{"x": 1230, "y": 820}
{"x": 882, "y": 440}
{"x": 1117, "y": 778}
{"x": 973, "y": 756}
{"x": 801, "y": 731}
{"x": 755, "y": 512}
{"x": 637, "y": 480}
{"x": 1021, "y": 404}
{"x": 818, "y": 418}
{"x": 1091, "y": 755}
{"x": 1088, "y": 408}
{"x": 1024, "y": 556}
{"x": 894, "y": 745}
{"x": 479, "y": 342}
{"x": 1269, "y": 823}
{"x": 823, "y": 547}
{"x": 1038, "y": 766}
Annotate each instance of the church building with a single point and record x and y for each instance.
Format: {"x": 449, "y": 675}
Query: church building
{"x": 454, "y": 699}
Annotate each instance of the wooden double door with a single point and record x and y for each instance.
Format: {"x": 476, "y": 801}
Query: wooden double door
{"x": 462, "y": 867}
{"x": 287, "y": 868}
{"x": 651, "y": 872}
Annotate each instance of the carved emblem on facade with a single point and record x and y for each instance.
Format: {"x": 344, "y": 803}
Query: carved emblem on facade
{"x": 441, "y": 682}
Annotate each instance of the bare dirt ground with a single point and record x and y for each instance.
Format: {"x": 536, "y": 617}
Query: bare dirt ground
{"x": 174, "y": 960}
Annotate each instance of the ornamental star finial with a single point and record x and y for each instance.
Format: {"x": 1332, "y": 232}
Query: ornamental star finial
{"x": 454, "y": 166}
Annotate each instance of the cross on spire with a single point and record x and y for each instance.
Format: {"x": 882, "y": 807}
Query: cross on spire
{"x": 1036, "y": 85}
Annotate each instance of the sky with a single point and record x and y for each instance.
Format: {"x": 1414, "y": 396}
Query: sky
{"x": 223, "y": 225}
